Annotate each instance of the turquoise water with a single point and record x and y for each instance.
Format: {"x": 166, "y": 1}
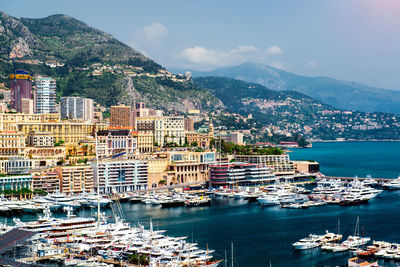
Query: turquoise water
{"x": 379, "y": 159}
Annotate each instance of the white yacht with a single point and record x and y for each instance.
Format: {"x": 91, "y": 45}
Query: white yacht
{"x": 355, "y": 241}
{"x": 392, "y": 185}
{"x": 269, "y": 200}
{"x": 311, "y": 241}
{"x": 369, "y": 181}
{"x": 63, "y": 200}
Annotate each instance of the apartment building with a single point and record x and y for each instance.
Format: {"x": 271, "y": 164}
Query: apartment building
{"x": 120, "y": 175}
{"x": 45, "y": 95}
{"x": 21, "y": 88}
{"x": 238, "y": 174}
{"x": 280, "y": 164}
{"x": 78, "y": 108}
{"x": 67, "y": 131}
{"x": 75, "y": 179}
{"x": 47, "y": 181}
{"x": 121, "y": 116}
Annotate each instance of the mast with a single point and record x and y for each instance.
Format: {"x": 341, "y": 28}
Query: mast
{"x": 98, "y": 183}
{"x": 226, "y": 263}
{"x": 232, "y": 253}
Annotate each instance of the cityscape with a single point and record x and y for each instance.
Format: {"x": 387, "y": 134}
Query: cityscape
{"x": 171, "y": 148}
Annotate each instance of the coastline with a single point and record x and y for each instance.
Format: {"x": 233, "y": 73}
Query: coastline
{"x": 354, "y": 140}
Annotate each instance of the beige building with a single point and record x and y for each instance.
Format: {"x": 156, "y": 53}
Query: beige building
{"x": 75, "y": 179}
{"x": 40, "y": 139}
{"x": 158, "y": 175}
{"x": 306, "y": 166}
{"x": 145, "y": 142}
{"x": 9, "y": 121}
{"x": 166, "y": 129}
{"x": 201, "y": 139}
{"x": 27, "y": 106}
{"x": 67, "y": 131}
{"x": 12, "y": 144}
{"x": 47, "y": 180}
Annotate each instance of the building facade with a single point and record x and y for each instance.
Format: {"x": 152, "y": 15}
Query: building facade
{"x": 78, "y": 108}
{"x": 75, "y": 179}
{"x": 15, "y": 165}
{"x": 40, "y": 139}
{"x": 238, "y": 174}
{"x": 21, "y": 87}
{"x": 120, "y": 175}
{"x": 189, "y": 166}
{"x": 9, "y": 121}
{"x": 121, "y": 116}
{"x": 16, "y": 182}
{"x": 12, "y": 144}
{"x": 280, "y": 164}
{"x": 111, "y": 142}
{"x": 45, "y": 95}
{"x": 47, "y": 181}
{"x": 27, "y": 106}
{"x": 67, "y": 131}
{"x": 169, "y": 129}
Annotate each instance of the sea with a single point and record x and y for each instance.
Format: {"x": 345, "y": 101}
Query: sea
{"x": 263, "y": 236}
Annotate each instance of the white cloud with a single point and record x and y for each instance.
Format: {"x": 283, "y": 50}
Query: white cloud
{"x": 150, "y": 35}
{"x": 274, "y": 50}
{"x": 313, "y": 64}
{"x": 199, "y": 55}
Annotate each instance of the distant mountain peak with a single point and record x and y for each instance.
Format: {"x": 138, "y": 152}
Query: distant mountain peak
{"x": 340, "y": 94}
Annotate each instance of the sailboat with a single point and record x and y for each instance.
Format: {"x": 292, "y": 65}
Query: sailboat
{"x": 356, "y": 240}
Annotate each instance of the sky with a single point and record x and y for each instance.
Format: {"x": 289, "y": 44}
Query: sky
{"x": 353, "y": 40}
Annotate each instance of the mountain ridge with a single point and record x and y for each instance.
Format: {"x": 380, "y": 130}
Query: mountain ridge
{"x": 340, "y": 94}
{"x": 89, "y": 62}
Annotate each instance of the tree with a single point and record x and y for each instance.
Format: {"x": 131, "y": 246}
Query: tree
{"x": 194, "y": 144}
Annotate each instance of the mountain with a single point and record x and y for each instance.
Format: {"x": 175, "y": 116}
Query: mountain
{"x": 339, "y": 94}
{"x": 268, "y": 112}
{"x": 88, "y": 62}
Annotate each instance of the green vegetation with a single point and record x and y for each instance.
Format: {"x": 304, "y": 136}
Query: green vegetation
{"x": 40, "y": 192}
{"x": 277, "y": 138}
{"x": 59, "y": 143}
{"x": 231, "y": 148}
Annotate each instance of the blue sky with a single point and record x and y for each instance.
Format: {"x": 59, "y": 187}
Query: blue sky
{"x": 355, "y": 40}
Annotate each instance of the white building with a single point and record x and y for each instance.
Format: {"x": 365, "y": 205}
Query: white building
{"x": 77, "y": 108}
{"x": 45, "y": 95}
{"x": 169, "y": 129}
{"x": 120, "y": 175}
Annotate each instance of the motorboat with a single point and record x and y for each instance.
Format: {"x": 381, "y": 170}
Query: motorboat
{"x": 311, "y": 241}
{"x": 393, "y": 184}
